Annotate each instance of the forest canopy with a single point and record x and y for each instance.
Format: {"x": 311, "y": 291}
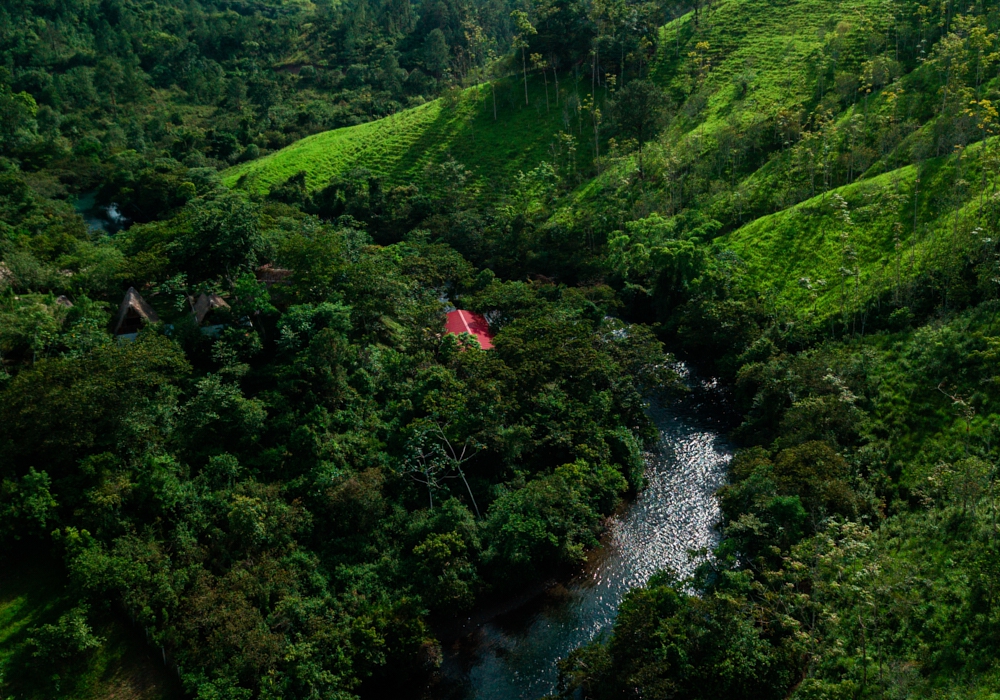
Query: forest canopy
{"x": 235, "y": 436}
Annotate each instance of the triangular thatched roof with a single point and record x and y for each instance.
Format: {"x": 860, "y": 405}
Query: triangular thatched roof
{"x": 133, "y": 312}
{"x": 206, "y": 303}
{"x": 63, "y": 300}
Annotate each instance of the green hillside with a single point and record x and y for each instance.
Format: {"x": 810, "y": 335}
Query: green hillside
{"x": 461, "y": 125}
{"x": 858, "y": 241}
{"x": 747, "y": 46}
{"x": 748, "y": 72}
{"x": 750, "y": 60}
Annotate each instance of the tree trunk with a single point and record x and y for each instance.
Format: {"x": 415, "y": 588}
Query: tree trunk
{"x": 524, "y": 69}
{"x": 597, "y": 145}
{"x": 469, "y": 489}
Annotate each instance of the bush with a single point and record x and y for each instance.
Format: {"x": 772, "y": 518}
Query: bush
{"x": 552, "y": 519}
{"x": 70, "y": 637}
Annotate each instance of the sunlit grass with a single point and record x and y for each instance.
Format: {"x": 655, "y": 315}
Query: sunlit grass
{"x": 461, "y": 126}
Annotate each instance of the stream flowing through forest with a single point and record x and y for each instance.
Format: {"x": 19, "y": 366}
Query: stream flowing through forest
{"x": 513, "y": 656}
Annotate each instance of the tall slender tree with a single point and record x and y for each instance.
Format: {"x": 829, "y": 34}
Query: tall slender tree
{"x": 524, "y": 30}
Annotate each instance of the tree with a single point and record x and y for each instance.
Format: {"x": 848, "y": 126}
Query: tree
{"x": 391, "y": 75}
{"x": 64, "y": 408}
{"x": 538, "y": 62}
{"x": 224, "y": 236}
{"x": 26, "y": 505}
{"x": 524, "y": 30}
{"x": 17, "y": 119}
{"x": 69, "y": 637}
{"x": 640, "y": 111}
{"x": 108, "y": 77}
{"x": 434, "y": 53}
{"x": 432, "y": 457}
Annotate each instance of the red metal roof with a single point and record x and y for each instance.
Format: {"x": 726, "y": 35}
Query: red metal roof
{"x": 467, "y": 322}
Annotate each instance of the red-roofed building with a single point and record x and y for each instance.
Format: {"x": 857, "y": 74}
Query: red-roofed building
{"x": 467, "y": 322}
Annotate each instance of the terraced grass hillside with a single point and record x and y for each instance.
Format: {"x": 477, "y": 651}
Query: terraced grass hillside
{"x": 461, "y": 126}
{"x": 740, "y": 69}
{"x": 750, "y": 60}
{"x": 872, "y": 236}
{"x": 812, "y": 184}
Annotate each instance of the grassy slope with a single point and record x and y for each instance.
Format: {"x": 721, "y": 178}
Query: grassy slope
{"x": 770, "y": 42}
{"x": 776, "y": 45}
{"x": 122, "y": 669}
{"x": 401, "y": 147}
{"x": 809, "y": 240}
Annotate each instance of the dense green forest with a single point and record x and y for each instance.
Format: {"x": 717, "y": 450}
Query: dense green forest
{"x": 270, "y": 473}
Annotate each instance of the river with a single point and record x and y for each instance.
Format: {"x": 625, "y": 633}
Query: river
{"x": 99, "y": 217}
{"x": 513, "y": 656}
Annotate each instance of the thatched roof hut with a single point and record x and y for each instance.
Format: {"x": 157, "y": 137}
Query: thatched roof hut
{"x": 206, "y": 304}
{"x": 133, "y": 314}
{"x": 63, "y": 300}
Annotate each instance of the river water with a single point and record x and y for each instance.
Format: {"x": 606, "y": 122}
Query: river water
{"x": 513, "y": 656}
{"x": 99, "y": 217}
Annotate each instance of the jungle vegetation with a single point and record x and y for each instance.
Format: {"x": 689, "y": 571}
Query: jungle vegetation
{"x": 798, "y": 197}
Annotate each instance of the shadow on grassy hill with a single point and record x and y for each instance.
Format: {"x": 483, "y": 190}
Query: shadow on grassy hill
{"x": 32, "y": 595}
{"x": 461, "y": 125}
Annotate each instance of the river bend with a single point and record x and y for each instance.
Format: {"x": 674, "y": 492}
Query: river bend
{"x": 513, "y": 656}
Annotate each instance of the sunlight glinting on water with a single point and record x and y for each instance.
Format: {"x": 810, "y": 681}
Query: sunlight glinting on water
{"x": 515, "y": 655}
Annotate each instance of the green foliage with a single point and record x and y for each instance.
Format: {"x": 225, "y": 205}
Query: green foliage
{"x": 224, "y": 235}
{"x": 800, "y": 198}
{"x": 551, "y": 519}
{"x": 67, "y": 638}
{"x": 249, "y": 497}
{"x": 26, "y": 506}
{"x": 703, "y": 647}
{"x": 17, "y": 114}
{"x": 63, "y": 408}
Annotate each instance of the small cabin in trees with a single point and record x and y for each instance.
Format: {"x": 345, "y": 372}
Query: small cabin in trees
{"x": 461, "y": 321}
{"x": 207, "y": 313}
{"x": 133, "y": 314}
{"x": 270, "y": 275}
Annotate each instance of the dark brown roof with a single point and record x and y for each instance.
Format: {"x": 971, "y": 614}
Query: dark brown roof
{"x": 133, "y": 306}
{"x": 269, "y": 274}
